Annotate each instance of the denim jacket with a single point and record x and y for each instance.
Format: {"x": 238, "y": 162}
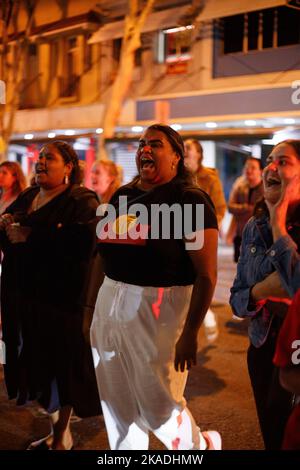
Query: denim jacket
{"x": 260, "y": 256}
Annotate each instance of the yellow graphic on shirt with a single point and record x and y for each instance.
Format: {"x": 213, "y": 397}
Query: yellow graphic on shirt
{"x": 124, "y": 223}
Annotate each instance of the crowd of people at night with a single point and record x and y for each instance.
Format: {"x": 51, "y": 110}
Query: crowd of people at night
{"x": 103, "y": 296}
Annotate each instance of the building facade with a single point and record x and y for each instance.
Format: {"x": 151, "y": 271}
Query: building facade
{"x": 225, "y": 72}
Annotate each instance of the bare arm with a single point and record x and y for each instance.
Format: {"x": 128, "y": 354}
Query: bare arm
{"x": 270, "y": 287}
{"x": 88, "y": 311}
{"x": 205, "y": 264}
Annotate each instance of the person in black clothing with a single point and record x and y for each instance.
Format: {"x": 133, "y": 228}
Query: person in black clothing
{"x": 48, "y": 286}
{"x": 153, "y": 299}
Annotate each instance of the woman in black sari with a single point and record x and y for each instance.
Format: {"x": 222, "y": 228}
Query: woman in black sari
{"x": 49, "y": 284}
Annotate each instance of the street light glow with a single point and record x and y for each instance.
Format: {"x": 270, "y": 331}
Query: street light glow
{"x": 211, "y": 125}
{"x": 176, "y": 127}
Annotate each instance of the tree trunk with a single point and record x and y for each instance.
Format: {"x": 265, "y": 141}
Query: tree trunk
{"x": 13, "y": 72}
{"x": 131, "y": 42}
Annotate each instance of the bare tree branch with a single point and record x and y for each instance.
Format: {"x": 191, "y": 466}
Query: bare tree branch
{"x": 192, "y": 12}
{"x": 13, "y": 72}
{"x": 134, "y": 23}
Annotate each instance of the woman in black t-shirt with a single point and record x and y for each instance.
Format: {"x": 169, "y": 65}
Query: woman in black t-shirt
{"x": 158, "y": 241}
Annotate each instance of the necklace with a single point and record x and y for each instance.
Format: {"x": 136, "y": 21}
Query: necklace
{"x": 37, "y": 202}
{"x": 42, "y": 199}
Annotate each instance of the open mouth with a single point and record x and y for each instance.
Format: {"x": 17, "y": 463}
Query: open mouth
{"x": 147, "y": 162}
{"x": 39, "y": 170}
{"x": 272, "y": 182}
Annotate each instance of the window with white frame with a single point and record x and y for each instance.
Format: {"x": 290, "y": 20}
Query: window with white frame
{"x": 174, "y": 44}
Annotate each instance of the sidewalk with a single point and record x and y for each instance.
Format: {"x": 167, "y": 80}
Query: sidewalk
{"x": 226, "y": 274}
{"x": 218, "y": 389}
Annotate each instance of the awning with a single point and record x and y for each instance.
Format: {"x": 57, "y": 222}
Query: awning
{"x": 76, "y": 117}
{"x": 219, "y": 8}
{"x": 155, "y": 22}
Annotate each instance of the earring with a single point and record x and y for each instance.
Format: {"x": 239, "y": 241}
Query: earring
{"x": 66, "y": 179}
{"x": 173, "y": 166}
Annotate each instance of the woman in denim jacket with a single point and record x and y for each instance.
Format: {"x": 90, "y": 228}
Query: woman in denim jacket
{"x": 268, "y": 275}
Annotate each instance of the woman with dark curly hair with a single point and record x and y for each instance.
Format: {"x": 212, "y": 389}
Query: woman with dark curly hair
{"x": 49, "y": 284}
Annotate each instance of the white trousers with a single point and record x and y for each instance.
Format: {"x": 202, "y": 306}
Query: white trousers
{"x": 133, "y": 337}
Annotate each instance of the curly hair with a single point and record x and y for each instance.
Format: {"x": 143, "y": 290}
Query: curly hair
{"x": 176, "y": 142}
{"x": 69, "y": 155}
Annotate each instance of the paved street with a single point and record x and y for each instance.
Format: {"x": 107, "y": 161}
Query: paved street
{"x": 218, "y": 390}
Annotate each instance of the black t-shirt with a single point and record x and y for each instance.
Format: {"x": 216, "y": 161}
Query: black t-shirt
{"x": 159, "y": 258}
